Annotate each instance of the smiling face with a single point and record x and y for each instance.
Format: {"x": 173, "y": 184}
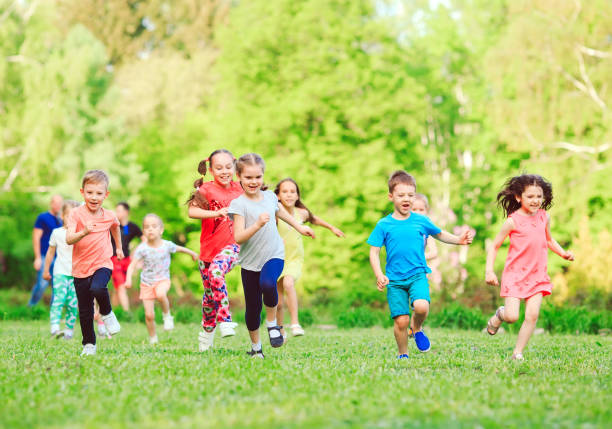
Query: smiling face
{"x": 288, "y": 193}
{"x": 531, "y": 199}
{"x": 403, "y": 197}
{"x": 94, "y": 195}
{"x": 222, "y": 168}
{"x": 251, "y": 179}
{"x": 152, "y": 229}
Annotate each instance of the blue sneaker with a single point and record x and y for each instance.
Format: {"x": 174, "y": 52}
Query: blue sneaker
{"x": 404, "y": 356}
{"x": 422, "y": 341}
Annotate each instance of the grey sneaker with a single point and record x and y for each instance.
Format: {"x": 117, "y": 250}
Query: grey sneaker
{"x": 112, "y": 324}
{"x": 89, "y": 350}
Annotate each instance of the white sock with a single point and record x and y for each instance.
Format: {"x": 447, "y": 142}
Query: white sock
{"x": 69, "y": 332}
{"x": 54, "y": 328}
{"x": 270, "y": 324}
{"x": 256, "y": 346}
{"x": 166, "y": 315}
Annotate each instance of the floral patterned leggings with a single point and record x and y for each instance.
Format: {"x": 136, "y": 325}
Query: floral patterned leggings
{"x": 64, "y": 295}
{"x": 215, "y": 302}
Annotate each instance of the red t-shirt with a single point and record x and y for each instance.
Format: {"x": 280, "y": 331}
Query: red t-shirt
{"x": 217, "y": 232}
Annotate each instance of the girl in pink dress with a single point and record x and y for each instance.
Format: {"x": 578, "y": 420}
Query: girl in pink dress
{"x": 524, "y": 199}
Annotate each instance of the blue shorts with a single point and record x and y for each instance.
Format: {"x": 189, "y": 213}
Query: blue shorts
{"x": 401, "y": 294}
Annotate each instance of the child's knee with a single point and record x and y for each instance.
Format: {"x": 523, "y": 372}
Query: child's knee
{"x": 402, "y": 322}
{"x": 421, "y": 306}
{"x": 149, "y": 316}
{"x": 510, "y": 317}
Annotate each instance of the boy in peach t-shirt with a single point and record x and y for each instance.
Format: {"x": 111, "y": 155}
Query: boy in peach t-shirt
{"x": 88, "y": 230}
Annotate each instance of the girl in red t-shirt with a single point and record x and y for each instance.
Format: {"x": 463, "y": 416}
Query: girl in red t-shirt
{"x": 218, "y": 249}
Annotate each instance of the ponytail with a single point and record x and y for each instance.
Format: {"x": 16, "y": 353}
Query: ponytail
{"x": 198, "y": 197}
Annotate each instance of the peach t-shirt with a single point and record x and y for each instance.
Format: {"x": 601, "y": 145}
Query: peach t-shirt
{"x": 95, "y": 250}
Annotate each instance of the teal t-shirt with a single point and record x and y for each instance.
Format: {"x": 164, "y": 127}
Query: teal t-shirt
{"x": 405, "y": 242}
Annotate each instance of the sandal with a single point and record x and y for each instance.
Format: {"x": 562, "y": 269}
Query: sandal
{"x": 276, "y": 340}
{"x": 297, "y": 330}
{"x": 492, "y": 330}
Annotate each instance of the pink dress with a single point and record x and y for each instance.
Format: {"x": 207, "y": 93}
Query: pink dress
{"x": 525, "y": 273}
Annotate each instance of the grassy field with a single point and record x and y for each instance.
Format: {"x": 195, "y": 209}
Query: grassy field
{"x": 339, "y": 378}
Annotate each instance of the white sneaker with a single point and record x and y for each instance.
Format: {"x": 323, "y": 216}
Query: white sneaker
{"x": 55, "y": 330}
{"x": 205, "y": 340}
{"x": 227, "y": 329}
{"x": 68, "y": 334}
{"x": 297, "y": 330}
{"x": 153, "y": 340}
{"x": 168, "y": 323}
{"x": 111, "y": 323}
{"x": 102, "y": 330}
{"x": 89, "y": 350}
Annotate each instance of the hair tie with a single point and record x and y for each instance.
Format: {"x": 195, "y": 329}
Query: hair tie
{"x": 207, "y": 160}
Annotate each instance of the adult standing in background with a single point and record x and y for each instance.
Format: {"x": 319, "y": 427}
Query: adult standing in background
{"x": 45, "y": 223}
{"x": 129, "y": 231}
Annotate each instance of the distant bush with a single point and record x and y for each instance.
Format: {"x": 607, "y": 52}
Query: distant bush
{"x": 457, "y": 316}
{"x": 360, "y": 317}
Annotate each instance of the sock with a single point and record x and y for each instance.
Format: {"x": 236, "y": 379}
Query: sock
{"x": 100, "y": 322}
{"x": 166, "y": 315}
{"x": 54, "y": 328}
{"x": 256, "y": 346}
{"x": 69, "y": 332}
{"x": 270, "y": 324}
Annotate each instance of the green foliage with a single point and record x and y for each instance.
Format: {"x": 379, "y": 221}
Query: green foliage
{"x": 458, "y": 317}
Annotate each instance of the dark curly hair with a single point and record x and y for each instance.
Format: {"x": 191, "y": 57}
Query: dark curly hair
{"x": 514, "y": 188}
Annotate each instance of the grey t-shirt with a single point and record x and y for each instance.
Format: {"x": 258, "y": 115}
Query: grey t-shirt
{"x": 266, "y": 243}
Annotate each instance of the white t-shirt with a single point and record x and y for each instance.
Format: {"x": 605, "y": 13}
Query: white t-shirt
{"x": 63, "y": 252}
{"x": 266, "y": 243}
{"x": 156, "y": 261}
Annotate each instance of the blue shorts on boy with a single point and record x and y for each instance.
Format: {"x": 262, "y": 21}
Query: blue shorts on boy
{"x": 406, "y": 268}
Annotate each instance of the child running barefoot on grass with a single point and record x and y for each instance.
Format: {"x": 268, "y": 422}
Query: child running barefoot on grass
{"x": 421, "y": 206}
{"x": 404, "y": 233}
{"x": 88, "y": 230}
{"x": 63, "y": 283}
{"x": 288, "y": 193}
{"x": 218, "y": 248}
{"x": 262, "y": 250}
{"x": 155, "y": 276}
{"x": 524, "y": 199}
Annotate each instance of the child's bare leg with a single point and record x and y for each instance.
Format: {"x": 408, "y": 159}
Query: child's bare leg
{"x": 271, "y": 313}
{"x": 254, "y": 336}
{"x": 149, "y": 306}
{"x": 280, "y": 310}
{"x": 400, "y": 330}
{"x": 123, "y": 297}
{"x": 162, "y": 298}
{"x": 532, "y": 311}
{"x": 421, "y": 310}
{"x": 292, "y": 302}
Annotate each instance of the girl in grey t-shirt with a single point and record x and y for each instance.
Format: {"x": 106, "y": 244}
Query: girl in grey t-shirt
{"x": 261, "y": 248}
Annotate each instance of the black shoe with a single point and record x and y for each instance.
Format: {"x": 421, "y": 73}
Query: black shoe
{"x": 256, "y": 354}
{"x": 278, "y": 341}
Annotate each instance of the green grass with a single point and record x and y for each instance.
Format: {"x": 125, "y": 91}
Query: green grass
{"x": 340, "y": 378}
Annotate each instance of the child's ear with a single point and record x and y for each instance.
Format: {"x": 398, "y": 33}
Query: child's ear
{"x": 390, "y": 196}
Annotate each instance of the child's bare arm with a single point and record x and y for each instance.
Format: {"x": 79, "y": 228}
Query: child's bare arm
{"x": 466, "y": 237}
{"x": 431, "y": 250}
{"x": 490, "y": 276}
{"x": 318, "y": 221}
{"x": 73, "y": 237}
{"x": 381, "y": 279}
{"x": 190, "y": 252}
{"x": 241, "y": 233}
{"x": 115, "y": 231}
{"x": 554, "y": 246}
{"x": 195, "y": 212}
{"x": 48, "y": 260}
{"x": 285, "y": 216}
{"x": 130, "y": 272}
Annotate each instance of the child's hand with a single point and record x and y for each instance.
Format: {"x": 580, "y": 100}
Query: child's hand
{"x": 466, "y": 237}
{"x": 46, "y": 275}
{"x": 306, "y": 230}
{"x": 37, "y": 264}
{"x": 381, "y": 282}
{"x": 128, "y": 283}
{"x": 194, "y": 256}
{"x": 569, "y": 256}
{"x": 89, "y": 227}
{"x": 491, "y": 278}
{"x": 222, "y": 212}
{"x": 264, "y": 218}
{"x": 337, "y": 232}
{"x": 119, "y": 252}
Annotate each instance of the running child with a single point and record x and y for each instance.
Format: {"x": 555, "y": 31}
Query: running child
{"x": 262, "y": 250}
{"x": 63, "y": 283}
{"x": 218, "y": 248}
{"x": 155, "y": 276}
{"x": 421, "y": 206}
{"x": 404, "y": 233}
{"x": 129, "y": 231}
{"x": 88, "y": 231}
{"x": 524, "y": 200}
{"x": 288, "y": 193}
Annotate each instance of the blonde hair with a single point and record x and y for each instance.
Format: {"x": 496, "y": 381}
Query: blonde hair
{"x": 67, "y": 206}
{"x": 95, "y": 177}
{"x": 250, "y": 159}
{"x": 153, "y": 215}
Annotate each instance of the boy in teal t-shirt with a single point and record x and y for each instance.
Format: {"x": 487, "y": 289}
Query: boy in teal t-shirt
{"x": 404, "y": 235}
